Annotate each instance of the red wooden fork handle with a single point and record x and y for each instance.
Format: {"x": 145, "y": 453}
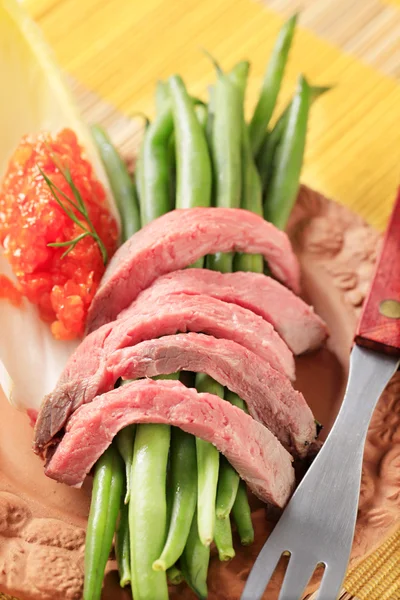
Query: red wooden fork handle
{"x": 379, "y": 326}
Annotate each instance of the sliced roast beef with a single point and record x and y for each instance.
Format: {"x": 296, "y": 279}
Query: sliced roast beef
{"x": 270, "y": 396}
{"x": 85, "y": 374}
{"x": 293, "y": 319}
{"x": 250, "y": 447}
{"x": 178, "y": 239}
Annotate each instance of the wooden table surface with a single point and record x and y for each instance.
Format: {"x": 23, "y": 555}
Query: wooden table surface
{"x": 115, "y": 50}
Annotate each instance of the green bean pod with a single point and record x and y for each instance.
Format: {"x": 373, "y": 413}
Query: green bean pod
{"x": 207, "y": 469}
{"x": 193, "y": 161}
{"x": 124, "y": 441}
{"x": 175, "y": 575}
{"x": 210, "y": 116}
{"x": 284, "y": 184}
{"x": 265, "y": 157}
{"x": 155, "y": 200}
{"x": 228, "y": 478}
{"x": 194, "y": 562}
{"x": 236, "y": 401}
{"x": 107, "y": 490}
{"x": 139, "y": 174}
{"x": 183, "y": 487}
{"x": 121, "y": 183}
{"x": 239, "y": 75}
{"x": 226, "y": 152}
{"x": 242, "y": 516}
{"x": 228, "y": 483}
{"x": 161, "y": 95}
{"x": 148, "y": 504}
{"x": 226, "y": 142}
{"x": 148, "y": 511}
{"x": 251, "y": 200}
{"x": 223, "y": 539}
{"x": 222, "y": 262}
{"x": 202, "y": 115}
{"x": 122, "y": 547}
{"x": 271, "y": 84}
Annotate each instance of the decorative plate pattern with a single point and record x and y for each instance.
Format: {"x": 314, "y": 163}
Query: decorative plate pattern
{"x": 42, "y": 523}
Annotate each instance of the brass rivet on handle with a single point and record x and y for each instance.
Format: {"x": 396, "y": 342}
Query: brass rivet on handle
{"x": 390, "y": 308}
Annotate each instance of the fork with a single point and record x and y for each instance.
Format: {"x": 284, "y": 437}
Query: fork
{"x": 317, "y": 526}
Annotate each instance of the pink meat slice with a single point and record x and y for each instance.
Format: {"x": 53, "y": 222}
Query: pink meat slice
{"x": 294, "y": 320}
{"x": 251, "y": 448}
{"x": 269, "y": 395}
{"x": 176, "y": 240}
{"x": 85, "y": 374}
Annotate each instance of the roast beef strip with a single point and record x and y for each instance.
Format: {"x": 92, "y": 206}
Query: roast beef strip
{"x": 270, "y": 396}
{"x": 294, "y": 320}
{"x": 85, "y": 374}
{"x": 251, "y": 448}
{"x": 176, "y": 240}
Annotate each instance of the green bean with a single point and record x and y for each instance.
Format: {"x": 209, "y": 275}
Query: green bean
{"x": 227, "y": 488}
{"x": 192, "y": 156}
{"x": 228, "y": 477}
{"x": 175, "y": 575}
{"x": 173, "y": 376}
{"x": 106, "y": 498}
{"x": 183, "y": 482}
{"x": 226, "y": 142}
{"x": 234, "y": 85}
{"x": 148, "y": 511}
{"x": 108, "y": 472}
{"x": 239, "y": 75}
{"x": 210, "y": 116}
{"x": 202, "y": 114}
{"x": 265, "y": 158}
{"x": 162, "y": 96}
{"x": 283, "y": 187}
{"x": 122, "y": 549}
{"x": 121, "y": 183}
{"x": 124, "y": 442}
{"x": 207, "y": 468}
{"x": 194, "y": 561}
{"x": 251, "y": 200}
{"x": 242, "y": 516}
{"x": 194, "y": 189}
{"x": 223, "y": 539}
{"x": 271, "y": 84}
{"x": 155, "y": 200}
{"x": 222, "y": 262}
{"x": 139, "y": 175}
{"x": 171, "y": 160}
{"x": 226, "y": 152}
{"x": 163, "y": 102}
{"x": 235, "y": 400}
{"x": 148, "y": 504}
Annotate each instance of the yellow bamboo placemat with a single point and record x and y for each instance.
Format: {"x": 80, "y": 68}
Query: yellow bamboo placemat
{"x": 118, "y": 49}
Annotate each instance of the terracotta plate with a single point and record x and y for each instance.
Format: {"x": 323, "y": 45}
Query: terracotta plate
{"x": 42, "y": 523}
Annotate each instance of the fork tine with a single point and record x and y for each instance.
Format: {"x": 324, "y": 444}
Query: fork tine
{"x": 261, "y": 573}
{"x": 298, "y": 574}
{"x": 332, "y": 581}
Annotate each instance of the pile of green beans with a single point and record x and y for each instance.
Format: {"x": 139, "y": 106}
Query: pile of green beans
{"x": 164, "y": 494}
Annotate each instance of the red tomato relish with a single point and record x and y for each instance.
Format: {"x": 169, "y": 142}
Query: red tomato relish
{"x": 30, "y": 219}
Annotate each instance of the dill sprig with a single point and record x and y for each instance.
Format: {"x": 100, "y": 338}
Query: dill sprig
{"x": 85, "y": 224}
